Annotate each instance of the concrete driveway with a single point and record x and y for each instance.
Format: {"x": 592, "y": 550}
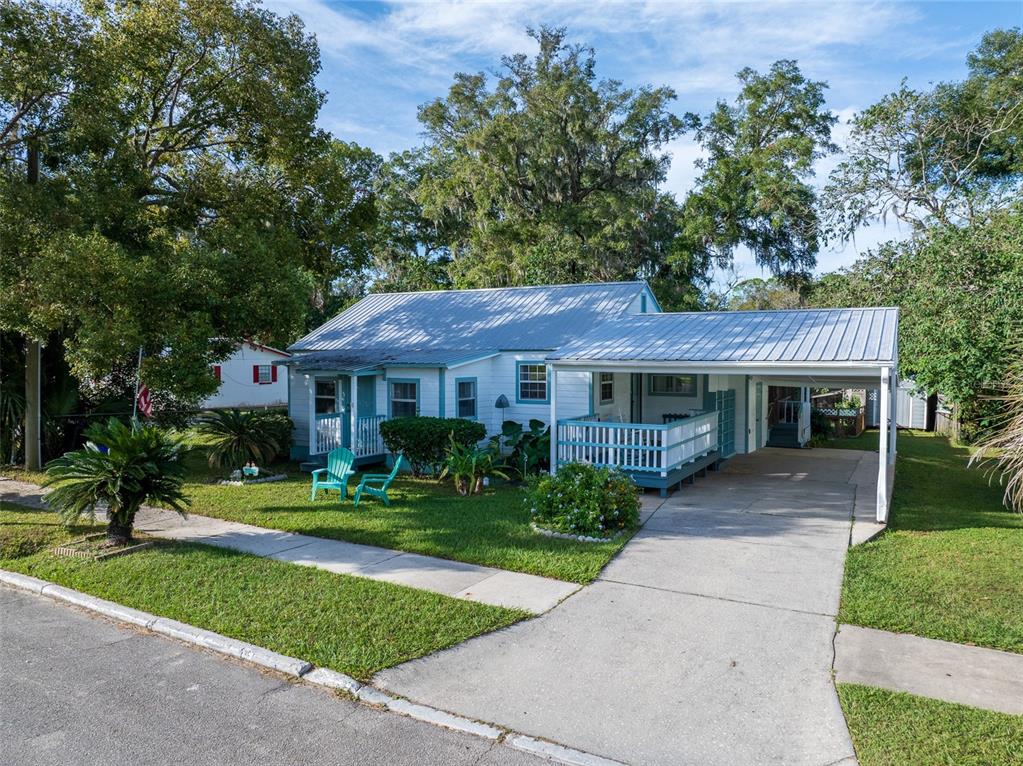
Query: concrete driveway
{"x": 708, "y": 640}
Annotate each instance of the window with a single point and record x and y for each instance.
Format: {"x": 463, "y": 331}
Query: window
{"x": 465, "y": 392}
{"x": 326, "y": 397}
{"x": 673, "y": 385}
{"x": 532, "y": 382}
{"x": 607, "y": 387}
{"x": 404, "y": 398}
{"x": 264, "y": 373}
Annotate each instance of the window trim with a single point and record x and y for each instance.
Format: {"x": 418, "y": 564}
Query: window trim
{"x": 475, "y": 398}
{"x": 518, "y": 381}
{"x": 650, "y": 384}
{"x": 600, "y": 387}
{"x": 390, "y": 395}
{"x": 316, "y": 396}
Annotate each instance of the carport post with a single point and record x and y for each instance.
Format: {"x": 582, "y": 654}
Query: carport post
{"x": 882, "y": 462}
{"x": 894, "y": 416}
{"x": 554, "y": 419}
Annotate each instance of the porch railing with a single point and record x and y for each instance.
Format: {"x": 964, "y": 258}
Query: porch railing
{"x": 327, "y": 433}
{"x": 329, "y": 429}
{"x": 367, "y": 439}
{"x": 646, "y": 447}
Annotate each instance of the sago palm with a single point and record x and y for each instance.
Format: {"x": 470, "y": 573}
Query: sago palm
{"x": 120, "y": 468}
{"x": 235, "y": 437}
{"x": 1002, "y": 448}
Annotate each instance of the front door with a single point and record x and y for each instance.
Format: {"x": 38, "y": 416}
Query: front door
{"x": 636, "y": 398}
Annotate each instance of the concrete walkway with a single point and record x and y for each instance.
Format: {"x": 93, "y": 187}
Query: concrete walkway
{"x": 452, "y": 578}
{"x": 708, "y": 640}
{"x": 969, "y": 675}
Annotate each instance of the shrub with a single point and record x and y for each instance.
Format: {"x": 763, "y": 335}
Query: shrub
{"x": 530, "y": 449}
{"x": 16, "y": 543}
{"x": 121, "y": 467}
{"x": 236, "y": 437}
{"x": 582, "y": 499}
{"x": 468, "y": 466}
{"x": 423, "y": 441}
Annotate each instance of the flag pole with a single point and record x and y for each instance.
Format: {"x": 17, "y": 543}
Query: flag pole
{"x": 138, "y": 384}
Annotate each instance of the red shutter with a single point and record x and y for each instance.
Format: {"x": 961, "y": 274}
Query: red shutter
{"x": 273, "y": 374}
{"x": 216, "y": 371}
{"x": 255, "y": 373}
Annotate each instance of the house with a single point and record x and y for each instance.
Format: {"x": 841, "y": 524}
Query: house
{"x": 661, "y": 395}
{"x": 249, "y": 378}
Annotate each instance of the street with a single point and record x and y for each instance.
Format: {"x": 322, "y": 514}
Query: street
{"x": 78, "y": 689}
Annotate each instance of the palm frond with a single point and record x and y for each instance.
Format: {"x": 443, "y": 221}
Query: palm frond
{"x": 1001, "y": 450}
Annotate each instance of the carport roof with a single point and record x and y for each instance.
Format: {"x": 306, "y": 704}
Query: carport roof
{"x": 804, "y": 336}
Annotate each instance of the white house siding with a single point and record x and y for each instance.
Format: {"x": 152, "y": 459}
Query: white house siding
{"x": 236, "y": 386}
{"x": 620, "y": 406}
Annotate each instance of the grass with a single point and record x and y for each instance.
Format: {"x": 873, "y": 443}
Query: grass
{"x": 866, "y": 440}
{"x": 353, "y": 625}
{"x": 949, "y": 565}
{"x": 424, "y": 517}
{"x": 897, "y": 729}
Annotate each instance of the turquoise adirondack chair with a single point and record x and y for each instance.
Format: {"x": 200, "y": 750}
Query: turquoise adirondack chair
{"x": 377, "y": 483}
{"x": 336, "y": 474}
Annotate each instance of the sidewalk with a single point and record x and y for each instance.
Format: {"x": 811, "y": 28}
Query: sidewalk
{"x": 486, "y": 585}
{"x": 968, "y": 675}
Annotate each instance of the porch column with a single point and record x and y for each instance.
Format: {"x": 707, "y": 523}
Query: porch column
{"x": 882, "y": 462}
{"x": 554, "y": 419}
{"x": 893, "y": 435}
{"x": 310, "y": 384}
{"x": 353, "y": 406}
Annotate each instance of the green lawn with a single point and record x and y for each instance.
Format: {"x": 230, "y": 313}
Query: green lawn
{"x": 896, "y": 729}
{"x": 424, "y": 517}
{"x": 350, "y": 624}
{"x": 950, "y": 564}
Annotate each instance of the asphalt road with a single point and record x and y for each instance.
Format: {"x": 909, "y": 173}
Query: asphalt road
{"x": 81, "y": 690}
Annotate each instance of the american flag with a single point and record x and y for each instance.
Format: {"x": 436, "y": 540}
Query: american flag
{"x": 145, "y": 402}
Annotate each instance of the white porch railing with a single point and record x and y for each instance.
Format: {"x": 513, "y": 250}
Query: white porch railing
{"x": 327, "y": 433}
{"x": 646, "y": 447}
{"x": 367, "y": 439}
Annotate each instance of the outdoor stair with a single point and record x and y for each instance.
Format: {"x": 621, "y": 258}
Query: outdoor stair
{"x": 784, "y": 435}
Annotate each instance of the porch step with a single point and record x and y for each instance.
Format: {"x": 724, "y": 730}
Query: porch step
{"x": 784, "y": 435}
{"x": 313, "y": 464}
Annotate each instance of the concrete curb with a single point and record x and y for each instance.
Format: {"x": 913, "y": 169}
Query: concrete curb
{"x": 301, "y": 669}
{"x": 551, "y": 751}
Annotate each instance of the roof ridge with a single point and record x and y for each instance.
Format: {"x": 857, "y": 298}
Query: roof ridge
{"x": 726, "y": 312}
{"x": 637, "y": 282}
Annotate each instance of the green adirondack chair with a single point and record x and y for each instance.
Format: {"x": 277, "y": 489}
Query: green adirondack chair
{"x": 377, "y": 483}
{"x": 336, "y": 474}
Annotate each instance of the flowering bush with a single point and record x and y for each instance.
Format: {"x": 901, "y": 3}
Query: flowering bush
{"x": 582, "y": 499}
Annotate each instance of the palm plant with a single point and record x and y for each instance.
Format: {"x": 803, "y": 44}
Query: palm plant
{"x": 120, "y": 468}
{"x": 469, "y": 465}
{"x": 1002, "y": 448}
{"x": 235, "y": 437}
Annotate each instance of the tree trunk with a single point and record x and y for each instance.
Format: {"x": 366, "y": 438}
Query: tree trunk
{"x": 33, "y": 405}
{"x": 118, "y": 533}
{"x": 33, "y": 363}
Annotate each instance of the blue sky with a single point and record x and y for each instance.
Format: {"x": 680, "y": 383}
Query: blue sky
{"x": 382, "y": 60}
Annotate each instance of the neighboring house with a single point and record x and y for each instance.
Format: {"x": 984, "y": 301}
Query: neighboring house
{"x": 661, "y": 395}
{"x": 249, "y": 378}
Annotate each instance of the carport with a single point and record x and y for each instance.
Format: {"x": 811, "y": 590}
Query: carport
{"x": 736, "y": 354}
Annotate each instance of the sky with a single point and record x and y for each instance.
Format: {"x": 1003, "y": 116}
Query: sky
{"x": 382, "y": 60}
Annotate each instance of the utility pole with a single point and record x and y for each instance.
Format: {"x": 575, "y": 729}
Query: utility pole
{"x": 33, "y": 361}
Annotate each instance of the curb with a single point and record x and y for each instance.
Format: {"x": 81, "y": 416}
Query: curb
{"x": 322, "y": 677}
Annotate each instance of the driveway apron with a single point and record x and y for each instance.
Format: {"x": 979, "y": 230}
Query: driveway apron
{"x": 708, "y": 640}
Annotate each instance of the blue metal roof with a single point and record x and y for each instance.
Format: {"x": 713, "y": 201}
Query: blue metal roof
{"x": 445, "y": 326}
{"x": 805, "y": 335}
